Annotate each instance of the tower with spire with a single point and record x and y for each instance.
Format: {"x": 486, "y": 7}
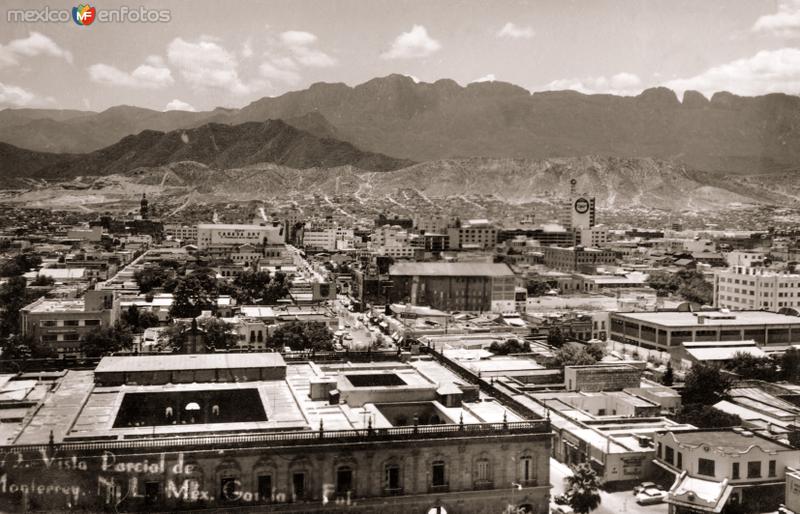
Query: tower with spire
{"x": 144, "y": 207}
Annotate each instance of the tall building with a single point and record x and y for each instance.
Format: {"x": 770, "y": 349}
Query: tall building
{"x": 475, "y": 234}
{"x": 743, "y": 287}
{"x": 579, "y": 212}
{"x": 144, "y": 208}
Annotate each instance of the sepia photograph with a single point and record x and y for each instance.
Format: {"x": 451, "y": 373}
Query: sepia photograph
{"x": 400, "y": 256}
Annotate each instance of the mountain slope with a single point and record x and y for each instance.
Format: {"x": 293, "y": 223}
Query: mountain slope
{"x": 216, "y": 145}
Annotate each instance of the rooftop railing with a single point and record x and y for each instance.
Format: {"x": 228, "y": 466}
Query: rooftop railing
{"x": 298, "y": 437}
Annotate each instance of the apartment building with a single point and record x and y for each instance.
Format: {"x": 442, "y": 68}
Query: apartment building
{"x": 218, "y": 234}
{"x": 473, "y": 234}
{"x": 744, "y": 287}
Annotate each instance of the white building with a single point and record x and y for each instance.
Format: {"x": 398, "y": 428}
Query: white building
{"x": 187, "y": 234}
{"x": 329, "y": 239}
{"x": 744, "y": 258}
{"x": 209, "y": 235}
{"x": 594, "y": 236}
{"x": 393, "y": 241}
{"x": 473, "y": 234}
{"x": 743, "y": 288}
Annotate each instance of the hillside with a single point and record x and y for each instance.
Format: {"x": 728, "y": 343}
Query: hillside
{"x": 216, "y": 145}
{"x": 421, "y": 121}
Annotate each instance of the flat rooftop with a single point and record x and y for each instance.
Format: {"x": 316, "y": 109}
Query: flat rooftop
{"x": 180, "y": 362}
{"x": 460, "y": 269}
{"x": 729, "y": 441}
{"x": 712, "y": 318}
{"x": 53, "y": 306}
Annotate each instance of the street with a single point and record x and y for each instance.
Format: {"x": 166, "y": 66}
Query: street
{"x": 611, "y": 503}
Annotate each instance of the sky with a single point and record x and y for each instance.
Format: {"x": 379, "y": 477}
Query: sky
{"x": 201, "y": 54}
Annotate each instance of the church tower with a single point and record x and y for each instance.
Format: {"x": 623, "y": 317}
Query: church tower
{"x": 143, "y": 210}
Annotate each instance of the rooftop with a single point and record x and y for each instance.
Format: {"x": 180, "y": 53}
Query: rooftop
{"x": 728, "y": 441}
{"x": 711, "y": 318}
{"x": 43, "y": 305}
{"x": 462, "y": 269}
{"x": 178, "y": 362}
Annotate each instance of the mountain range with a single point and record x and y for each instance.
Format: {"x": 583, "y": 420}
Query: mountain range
{"x": 216, "y": 145}
{"x": 419, "y": 121}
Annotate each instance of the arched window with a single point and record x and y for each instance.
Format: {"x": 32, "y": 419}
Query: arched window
{"x": 527, "y": 471}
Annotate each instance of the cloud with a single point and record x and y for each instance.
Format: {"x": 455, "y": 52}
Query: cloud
{"x": 413, "y": 77}
{"x": 16, "y": 96}
{"x": 273, "y": 71}
{"x": 486, "y": 78}
{"x": 299, "y": 44}
{"x": 512, "y": 31}
{"x": 414, "y": 44}
{"x": 34, "y": 45}
{"x": 785, "y": 22}
{"x": 205, "y": 64}
{"x": 179, "y": 105}
{"x": 153, "y": 74}
{"x": 768, "y": 71}
{"x": 624, "y": 83}
{"x": 247, "y": 49}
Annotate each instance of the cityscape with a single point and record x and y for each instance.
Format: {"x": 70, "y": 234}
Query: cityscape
{"x": 262, "y": 265}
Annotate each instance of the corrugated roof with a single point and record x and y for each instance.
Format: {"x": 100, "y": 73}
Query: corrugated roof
{"x": 461, "y": 269}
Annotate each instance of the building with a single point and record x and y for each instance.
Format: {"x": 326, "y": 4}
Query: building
{"x": 602, "y": 377}
{"x": 577, "y": 258}
{"x": 594, "y": 236}
{"x": 329, "y": 239}
{"x": 250, "y": 432}
{"x": 746, "y": 287}
{"x": 218, "y": 234}
{"x": 667, "y": 330}
{"x": 718, "y": 467}
{"x": 392, "y": 240}
{"x": 454, "y": 286}
{"x": 62, "y": 325}
{"x": 472, "y": 234}
{"x": 186, "y": 234}
{"x": 579, "y": 212}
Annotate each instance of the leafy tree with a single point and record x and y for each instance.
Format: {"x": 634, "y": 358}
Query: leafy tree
{"x": 43, "y": 280}
{"x": 13, "y": 297}
{"x": 555, "y": 337}
{"x": 573, "y": 355}
{"x": 20, "y": 264}
{"x": 750, "y": 367}
{"x": 706, "y": 384}
{"x": 218, "y": 334}
{"x": 669, "y": 375}
{"x": 138, "y": 321}
{"x": 540, "y": 287}
{"x": 690, "y": 284}
{"x": 706, "y": 416}
{"x": 596, "y": 350}
{"x": 583, "y": 489}
{"x": 151, "y": 278}
{"x": 510, "y": 346}
{"x": 103, "y": 341}
{"x": 193, "y": 294}
{"x": 298, "y": 336}
{"x": 790, "y": 364}
{"x": 259, "y": 287}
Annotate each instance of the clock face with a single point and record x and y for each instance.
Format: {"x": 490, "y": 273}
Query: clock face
{"x": 581, "y": 205}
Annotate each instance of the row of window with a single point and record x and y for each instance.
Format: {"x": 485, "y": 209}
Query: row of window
{"x": 707, "y": 467}
{"x": 70, "y": 323}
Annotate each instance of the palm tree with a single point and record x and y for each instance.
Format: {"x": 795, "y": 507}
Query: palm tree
{"x": 583, "y": 489}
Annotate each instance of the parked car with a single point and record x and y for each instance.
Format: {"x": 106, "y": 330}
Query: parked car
{"x": 651, "y": 496}
{"x": 645, "y": 485}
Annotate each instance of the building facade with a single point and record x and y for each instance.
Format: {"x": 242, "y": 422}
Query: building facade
{"x": 745, "y": 287}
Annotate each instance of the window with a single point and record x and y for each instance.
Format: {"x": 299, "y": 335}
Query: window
{"x": 735, "y": 471}
{"x": 392, "y": 477}
{"x": 228, "y": 487}
{"x": 152, "y": 491}
{"x": 705, "y": 467}
{"x": 772, "y": 466}
{"x": 49, "y": 323}
{"x": 71, "y": 323}
{"x": 438, "y": 474}
{"x": 526, "y": 468}
{"x": 92, "y": 322}
{"x": 344, "y": 479}
{"x": 754, "y": 469}
{"x": 482, "y": 470}
{"x": 679, "y": 464}
{"x": 299, "y": 484}
{"x": 265, "y": 488}
{"x": 669, "y": 455}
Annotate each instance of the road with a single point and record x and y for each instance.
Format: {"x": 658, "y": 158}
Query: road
{"x": 611, "y": 503}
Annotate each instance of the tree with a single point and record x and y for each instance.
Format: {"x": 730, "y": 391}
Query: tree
{"x": 103, "y": 341}
{"x": 596, "y": 350}
{"x": 540, "y": 287}
{"x": 555, "y": 337}
{"x": 706, "y": 416}
{"x": 706, "y": 384}
{"x": 510, "y": 346}
{"x": 690, "y": 284}
{"x": 151, "y": 278}
{"x": 756, "y": 368}
{"x": 260, "y": 288}
{"x": 583, "y": 489}
{"x": 790, "y": 364}
{"x": 193, "y": 294}
{"x": 43, "y": 280}
{"x": 669, "y": 375}
{"x": 138, "y": 321}
{"x": 20, "y": 264}
{"x": 299, "y": 336}
{"x": 219, "y": 335}
{"x": 573, "y": 355}
{"x": 14, "y": 295}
